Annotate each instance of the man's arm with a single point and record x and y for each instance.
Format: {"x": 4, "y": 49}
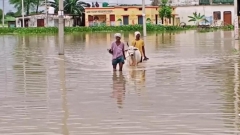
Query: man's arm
{"x": 111, "y": 49}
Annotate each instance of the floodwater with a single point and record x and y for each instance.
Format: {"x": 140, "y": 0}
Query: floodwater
{"x": 189, "y": 86}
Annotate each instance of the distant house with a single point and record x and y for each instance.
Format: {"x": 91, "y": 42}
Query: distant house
{"x": 10, "y": 21}
{"x": 217, "y": 12}
{"x": 40, "y": 20}
{"x": 124, "y": 15}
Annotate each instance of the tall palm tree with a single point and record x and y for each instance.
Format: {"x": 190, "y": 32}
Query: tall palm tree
{"x": 28, "y": 5}
{"x": 75, "y": 7}
{"x": 197, "y": 18}
{"x": 38, "y": 3}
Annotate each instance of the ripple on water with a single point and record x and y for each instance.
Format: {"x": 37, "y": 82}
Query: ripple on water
{"x": 188, "y": 86}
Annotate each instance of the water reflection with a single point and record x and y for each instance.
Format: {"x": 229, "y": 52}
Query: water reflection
{"x": 190, "y": 85}
{"x": 137, "y": 80}
{"x": 63, "y": 90}
{"x": 119, "y": 90}
{"x": 236, "y": 92}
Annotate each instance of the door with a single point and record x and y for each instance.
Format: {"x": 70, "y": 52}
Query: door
{"x": 112, "y": 20}
{"x": 125, "y": 20}
{"x": 40, "y": 22}
{"x": 156, "y": 19}
{"x": 25, "y": 23}
{"x": 227, "y": 18}
{"x": 90, "y": 20}
{"x": 140, "y": 20}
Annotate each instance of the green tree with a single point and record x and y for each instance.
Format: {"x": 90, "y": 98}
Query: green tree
{"x": 165, "y": 10}
{"x": 28, "y": 5}
{"x": 75, "y": 7}
{"x": 197, "y": 18}
{"x": 37, "y": 3}
{"x": 10, "y": 13}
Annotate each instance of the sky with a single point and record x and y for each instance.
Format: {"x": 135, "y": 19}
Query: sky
{"x": 9, "y": 7}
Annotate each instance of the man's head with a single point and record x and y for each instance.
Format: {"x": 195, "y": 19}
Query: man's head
{"x": 117, "y": 36}
{"x": 131, "y": 50}
{"x": 137, "y": 34}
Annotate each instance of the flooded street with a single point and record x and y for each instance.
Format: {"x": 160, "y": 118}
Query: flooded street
{"x": 189, "y": 86}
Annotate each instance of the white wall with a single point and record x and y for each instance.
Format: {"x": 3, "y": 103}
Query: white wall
{"x": 52, "y": 20}
{"x": 184, "y": 12}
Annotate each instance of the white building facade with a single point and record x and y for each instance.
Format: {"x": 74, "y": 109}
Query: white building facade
{"x": 215, "y": 14}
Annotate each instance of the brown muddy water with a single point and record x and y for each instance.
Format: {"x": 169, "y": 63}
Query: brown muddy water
{"x": 190, "y": 86}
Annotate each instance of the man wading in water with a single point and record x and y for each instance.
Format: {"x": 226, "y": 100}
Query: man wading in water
{"x": 117, "y": 51}
{"x": 139, "y": 43}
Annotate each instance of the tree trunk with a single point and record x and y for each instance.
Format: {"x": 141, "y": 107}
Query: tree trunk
{"x": 38, "y": 6}
{"x": 28, "y": 7}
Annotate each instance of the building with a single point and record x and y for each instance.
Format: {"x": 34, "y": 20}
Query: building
{"x": 41, "y": 20}
{"x": 200, "y": 2}
{"x": 124, "y": 15}
{"x": 217, "y": 12}
{"x": 217, "y": 15}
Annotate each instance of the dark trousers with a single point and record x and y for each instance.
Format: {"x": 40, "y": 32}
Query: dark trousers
{"x": 141, "y": 59}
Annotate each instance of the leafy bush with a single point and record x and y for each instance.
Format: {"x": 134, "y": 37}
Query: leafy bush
{"x": 37, "y": 30}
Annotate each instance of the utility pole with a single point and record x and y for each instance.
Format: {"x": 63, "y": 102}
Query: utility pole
{"x": 3, "y": 13}
{"x": 61, "y": 28}
{"x": 23, "y": 20}
{"x": 46, "y": 13}
{"x": 144, "y": 19}
{"x": 236, "y": 34}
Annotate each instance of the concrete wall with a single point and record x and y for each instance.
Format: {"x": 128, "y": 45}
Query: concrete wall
{"x": 184, "y": 12}
{"x": 52, "y": 20}
{"x": 132, "y": 12}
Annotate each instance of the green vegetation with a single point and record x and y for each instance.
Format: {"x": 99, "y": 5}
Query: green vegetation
{"x": 75, "y": 7}
{"x": 29, "y": 5}
{"x": 165, "y": 10}
{"x": 211, "y": 29}
{"x": 150, "y": 27}
{"x": 38, "y": 30}
{"x": 197, "y": 18}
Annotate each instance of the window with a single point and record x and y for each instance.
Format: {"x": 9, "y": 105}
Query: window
{"x": 170, "y": 20}
{"x": 217, "y": 15}
{"x": 125, "y": 9}
{"x": 140, "y": 9}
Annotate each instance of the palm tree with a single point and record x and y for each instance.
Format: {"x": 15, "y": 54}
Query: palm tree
{"x": 38, "y": 3}
{"x": 74, "y": 7}
{"x": 197, "y": 17}
{"x": 28, "y": 5}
